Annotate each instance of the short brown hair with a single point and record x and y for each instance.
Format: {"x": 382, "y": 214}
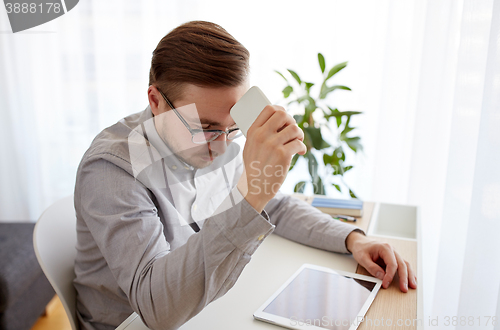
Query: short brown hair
{"x": 200, "y": 53}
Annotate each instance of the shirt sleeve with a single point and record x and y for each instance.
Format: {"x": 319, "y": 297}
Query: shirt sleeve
{"x": 166, "y": 288}
{"x": 299, "y": 221}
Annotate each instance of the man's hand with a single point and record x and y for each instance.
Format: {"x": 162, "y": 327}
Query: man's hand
{"x": 370, "y": 253}
{"x": 272, "y": 140}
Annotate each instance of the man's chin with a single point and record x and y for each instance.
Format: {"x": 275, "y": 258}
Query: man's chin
{"x": 204, "y": 161}
{"x": 207, "y": 159}
{"x": 200, "y": 161}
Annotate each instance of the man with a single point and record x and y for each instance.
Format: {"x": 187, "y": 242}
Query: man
{"x": 170, "y": 210}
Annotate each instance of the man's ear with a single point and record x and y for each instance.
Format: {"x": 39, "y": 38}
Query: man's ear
{"x": 154, "y": 98}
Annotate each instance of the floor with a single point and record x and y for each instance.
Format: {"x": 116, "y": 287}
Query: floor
{"x": 55, "y": 318}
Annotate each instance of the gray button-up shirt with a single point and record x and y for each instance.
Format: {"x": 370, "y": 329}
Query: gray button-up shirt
{"x": 163, "y": 239}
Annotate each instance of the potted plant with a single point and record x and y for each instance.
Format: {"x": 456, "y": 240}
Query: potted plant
{"x": 334, "y": 157}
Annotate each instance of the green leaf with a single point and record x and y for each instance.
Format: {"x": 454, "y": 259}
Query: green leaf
{"x": 337, "y": 169}
{"x": 303, "y": 98}
{"x": 334, "y": 113}
{"x": 321, "y": 60}
{"x": 316, "y": 138}
{"x": 337, "y": 113}
{"x": 312, "y": 165}
{"x": 310, "y": 106}
{"x": 337, "y": 187}
{"x": 281, "y": 75}
{"x": 328, "y": 159}
{"x": 335, "y": 69}
{"x": 339, "y": 153}
{"x": 295, "y": 75}
{"x": 294, "y": 160}
{"x": 327, "y": 90}
{"x": 348, "y": 121}
{"x": 341, "y": 87}
{"x": 351, "y": 193}
{"x": 318, "y": 187}
{"x": 308, "y": 86}
{"x": 335, "y": 160}
{"x": 298, "y": 119}
{"x": 347, "y": 168}
{"x": 299, "y": 187}
{"x": 287, "y": 91}
{"x": 354, "y": 143}
{"x": 347, "y": 129}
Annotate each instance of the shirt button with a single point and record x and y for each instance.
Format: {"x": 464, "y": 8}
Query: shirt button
{"x": 174, "y": 167}
{"x": 261, "y": 237}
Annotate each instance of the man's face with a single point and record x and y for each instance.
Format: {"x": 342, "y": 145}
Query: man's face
{"x": 202, "y": 108}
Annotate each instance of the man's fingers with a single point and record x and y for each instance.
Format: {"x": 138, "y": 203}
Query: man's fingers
{"x": 412, "y": 279}
{"x": 374, "y": 256}
{"x": 372, "y": 267}
{"x": 290, "y": 133}
{"x": 278, "y": 121}
{"x": 402, "y": 272}
{"x": 387, "y": 254}
{"x": 295, "y": 147}
{"x": 266, "y": 113}
{"x": 273, "y": 116}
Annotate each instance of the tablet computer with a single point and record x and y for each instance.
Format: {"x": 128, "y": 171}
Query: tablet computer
{"x": 318, "y": 298}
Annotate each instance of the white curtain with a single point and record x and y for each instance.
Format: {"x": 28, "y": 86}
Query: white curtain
{"x": 63, "y": 82}
{"x": 468, "y": 263}
{"x": 426, "y": 74}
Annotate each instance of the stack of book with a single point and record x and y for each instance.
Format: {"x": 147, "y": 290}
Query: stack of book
{"x": 333, "y": 206}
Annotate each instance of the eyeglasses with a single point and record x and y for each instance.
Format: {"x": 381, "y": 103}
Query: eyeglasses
{"x": 201, "y": 136}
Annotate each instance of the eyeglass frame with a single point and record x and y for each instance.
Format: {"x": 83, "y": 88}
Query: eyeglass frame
{"x": 195, "y": 131}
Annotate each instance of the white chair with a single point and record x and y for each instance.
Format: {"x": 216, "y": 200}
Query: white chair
{"x": 54, "y": 240}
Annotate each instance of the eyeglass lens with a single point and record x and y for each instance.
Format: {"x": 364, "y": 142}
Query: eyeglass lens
{"x": 203, "y": 137}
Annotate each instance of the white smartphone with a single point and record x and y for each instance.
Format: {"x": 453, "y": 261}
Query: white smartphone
{"x": 248, "y": 108}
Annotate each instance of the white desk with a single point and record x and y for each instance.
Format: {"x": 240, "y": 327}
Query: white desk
{"x": 275, "y": 261}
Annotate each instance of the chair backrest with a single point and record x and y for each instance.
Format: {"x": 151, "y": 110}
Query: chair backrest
{"x": 54, "y": 239}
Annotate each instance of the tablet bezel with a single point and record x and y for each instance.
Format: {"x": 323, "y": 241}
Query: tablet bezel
{"x": 285, "y": 322}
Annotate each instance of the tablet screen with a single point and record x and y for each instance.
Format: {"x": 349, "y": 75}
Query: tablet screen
{"x": 332, "y": 300}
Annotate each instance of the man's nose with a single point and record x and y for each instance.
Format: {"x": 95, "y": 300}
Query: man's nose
{"x": 219, "y": 145}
